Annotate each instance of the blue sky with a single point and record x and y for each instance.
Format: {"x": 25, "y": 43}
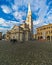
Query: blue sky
{"x": 13, "y": 12}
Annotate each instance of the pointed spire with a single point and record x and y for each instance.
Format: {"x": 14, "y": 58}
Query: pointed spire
{"x": 29, "y": 7}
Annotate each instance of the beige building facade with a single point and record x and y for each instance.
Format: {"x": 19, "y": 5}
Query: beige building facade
{"x": 44, "y": 32}
{"x": 18, "y": 33}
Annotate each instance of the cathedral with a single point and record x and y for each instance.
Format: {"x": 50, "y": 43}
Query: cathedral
{"x": 24, "y": 32}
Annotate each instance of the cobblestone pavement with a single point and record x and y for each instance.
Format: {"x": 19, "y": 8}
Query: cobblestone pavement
{"x": 26, "y": 53}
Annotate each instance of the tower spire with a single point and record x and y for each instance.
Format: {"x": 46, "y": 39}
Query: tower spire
{"x": 29, "y": 20}
{"x": 29, "y": 9}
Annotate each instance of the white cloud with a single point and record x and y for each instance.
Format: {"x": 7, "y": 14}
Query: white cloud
{"x": 18, "y": 15}
{"x": 3, "y": 29}
{"x": 49, "y": 13}
{"x": 14, "y": 7}
{"x": 12, "y": 23}
{"x": 6, "y": 9}
{"x": 50, "y": 17}
{"x": 2, "y": 22}
{"x": 8, "y": 23}
{"x": 42, "y": 12}
{"x": 37, "y": 22}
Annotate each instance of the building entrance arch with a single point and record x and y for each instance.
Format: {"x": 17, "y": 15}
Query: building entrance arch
{"x": 48, "y": 37}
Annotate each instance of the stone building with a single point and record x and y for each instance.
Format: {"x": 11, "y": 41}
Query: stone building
{"x": 44, "y": 32}
{"x": 24, "y": 32}
{"x": 29, "y": 21}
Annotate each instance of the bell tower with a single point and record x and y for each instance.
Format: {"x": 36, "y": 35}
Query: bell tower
{"x": 29, "y": 20}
